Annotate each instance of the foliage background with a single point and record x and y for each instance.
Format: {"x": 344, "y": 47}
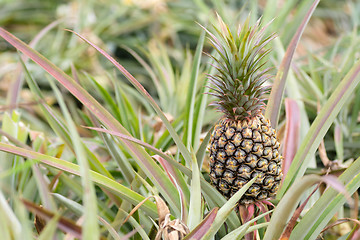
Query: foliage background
{"x": 156, "y": 42}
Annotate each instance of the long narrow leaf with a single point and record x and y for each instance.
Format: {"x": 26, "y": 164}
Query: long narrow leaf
{"x": 203, "y": 227}
{"x": 242, "y": 230}
{"x": 284, "y": 210}
{"x": 328, "y": 204}
{"x": 10, "y": 225}
{"x": 99, "y": 179}
{"x": 190, "y": 100}
{"x": 287, "y": 205}
{"x": 152, "y": 170}
{"x": 207, "y": 189}
{"x": 292, "y": 130}
{"x": 78, "y": 209}
{"x": 170, "y": 160}
{"x": 195, "y": 209}
{"x": 202, "y": 148}
{"x": 142, "y": 90}
{"x": 64, "y": 224}
{"x": 13, "y": 94}
{"x": 320, "y": 126}
{"x": 226, "y": 209}
{"x": 90, "y": 226}
{"x": 276, "y": 95}
{"x": 59, "y": 126}
{"x": 50, "y": 229}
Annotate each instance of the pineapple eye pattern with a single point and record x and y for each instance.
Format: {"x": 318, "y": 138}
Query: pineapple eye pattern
{"x": 258, "y": 149}
{"x": 256, "y": 136}
{"x": 237, "y": 139}
{"x": 229, "y": 149}
{"x": 245, "y": 171}
{"x": 232, "y": 164}
{"x": 229, "y": 133}
{"x": 247, "y": 145}
{"x": 241, "y": 159}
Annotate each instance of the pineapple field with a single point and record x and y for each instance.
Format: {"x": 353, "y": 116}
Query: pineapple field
{"x": 179, "y": 119}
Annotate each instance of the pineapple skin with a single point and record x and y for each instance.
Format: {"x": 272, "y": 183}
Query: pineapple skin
{"x": 242, "y": 149}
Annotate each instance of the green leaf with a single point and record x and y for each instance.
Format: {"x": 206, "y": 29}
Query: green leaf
{"x": 226, "y": 209}
{"x": 189, "y": 130}
{"x": 202, "y": 149}
{"x": 175, "y": 166}
{"x": 276, "y": 95}
{"x": 13, "y": 95}
{"x": 195, "y": 209}
{"x": 320, "y": 126}
{"x": 287, "y": 205}
{"x": 10, "y": 227}
{"x": 202, "y": 228}
{"x": 120, "y": 158}
{"x": 209, "y": 191}
{"x": 113, "y": 186}
{"x": 328, "y": 204}
{"x": 152, "y": 170}
{"x": 79, "y": 209}
{"x": 240, "y": 232}
{"x": 142, "y": 90}
{"x": 90, "y": 226}
{"x": 64, "y": 224}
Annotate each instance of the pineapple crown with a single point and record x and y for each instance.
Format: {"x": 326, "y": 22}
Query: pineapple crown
{"x": 238, "y": 83}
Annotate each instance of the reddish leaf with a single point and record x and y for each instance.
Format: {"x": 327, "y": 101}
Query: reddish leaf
{"x": 276, "y": 95}
{"x": 291, "y": 224}
{"x": 147, "y": 96}
{"x": 15, "y": 88}
{"x": 203, "y": 227}
{"x": 173, "y": 174}
{"x": 291, "y": 140}
{"x": 66, "y": 225}
{"x": 152, "y": 170}
{"x": 334, "y": 182}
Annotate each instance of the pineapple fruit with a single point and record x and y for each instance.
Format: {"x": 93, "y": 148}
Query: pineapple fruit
{"x": 243, "y": 144}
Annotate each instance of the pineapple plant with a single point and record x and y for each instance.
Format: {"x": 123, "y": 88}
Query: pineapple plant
{"x": 46, "y": 167}
{"x": 243, "y": 143}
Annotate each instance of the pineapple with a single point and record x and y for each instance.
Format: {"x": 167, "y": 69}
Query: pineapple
{"x": 243, "y": 144}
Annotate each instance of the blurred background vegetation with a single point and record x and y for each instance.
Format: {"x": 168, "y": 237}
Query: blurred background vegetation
{"x": 155, "y": 41}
